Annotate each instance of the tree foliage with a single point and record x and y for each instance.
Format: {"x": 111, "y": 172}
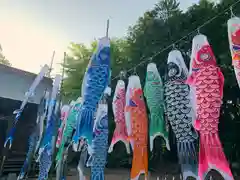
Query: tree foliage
{"x": 149, "y": 40}
{"x": 3, "y": 59}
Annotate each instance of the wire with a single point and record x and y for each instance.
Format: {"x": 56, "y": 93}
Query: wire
{"x": 179, "y": 40}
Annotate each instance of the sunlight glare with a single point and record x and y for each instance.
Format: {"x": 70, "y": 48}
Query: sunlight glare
{"x": 28, "y": 45}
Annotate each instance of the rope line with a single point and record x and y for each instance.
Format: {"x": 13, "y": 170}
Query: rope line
{"x": 179, "y": 40}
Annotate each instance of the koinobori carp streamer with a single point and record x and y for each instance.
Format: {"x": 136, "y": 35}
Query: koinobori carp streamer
{"x": 64, "y": 114}
{"x": 234, "y": 42}
{"x": 208, "y": 81}
{"x": 180, "y": 113}
{"x": 118, "y": 105}
{"x": 137, "y": 127}
{"x": 46, "y": 148}
{"x": 98, "y": 156}
{"x": 71, "y": 122}
{"x": 154, "y": 93}
{"x": 95, "y": 81}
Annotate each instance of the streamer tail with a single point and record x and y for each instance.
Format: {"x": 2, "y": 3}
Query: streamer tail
{"x": 188, "y": 159}
{"x": 139, "y": 163}
{"x": 118, "y": 137}
{"x": 158, "y": 128}
{"x": 211, "y": 156}
{"x": 45, "y": 162}
{"x": 99, "y": 175}
{"x": 85, "y": 123}
{"x": 27, "y": 163}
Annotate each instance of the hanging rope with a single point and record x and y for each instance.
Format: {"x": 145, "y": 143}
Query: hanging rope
{"x": 143, "y": 61}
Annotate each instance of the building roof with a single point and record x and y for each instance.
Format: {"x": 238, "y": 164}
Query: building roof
{"x": 21, "y": 72}
{"x": 16, "y": 82}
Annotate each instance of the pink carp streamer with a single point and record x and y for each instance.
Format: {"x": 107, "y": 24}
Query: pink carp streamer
{"x": 234, "y": 42}
{"x": 64, "y": 115}
{"x": 120, "y": 132}
{"x": 207, "y": 80}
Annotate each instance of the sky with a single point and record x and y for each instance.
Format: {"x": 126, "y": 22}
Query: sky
{"x": 32, "y": 29}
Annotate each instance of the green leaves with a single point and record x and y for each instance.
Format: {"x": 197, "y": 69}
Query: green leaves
{"x": 75, "y": 65}
{"x": 3, "y": 59}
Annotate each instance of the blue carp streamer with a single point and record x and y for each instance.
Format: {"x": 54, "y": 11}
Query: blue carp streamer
{"x": 95, "y": 81}
{"x": 35, "y": 137}
{"x": 46, "y": 150}
{"x": 19, "y": 111}
{"x": 47, "y": 147}
{"x": 45, "y": 162}
{"x": 32, "y": 144}
{"x": 97, "y": 159}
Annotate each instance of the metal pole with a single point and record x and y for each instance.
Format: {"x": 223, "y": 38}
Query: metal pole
{"x": 51, "y": 64}
{"x": 63, "y": 72}
{"x": 107, "y": 28}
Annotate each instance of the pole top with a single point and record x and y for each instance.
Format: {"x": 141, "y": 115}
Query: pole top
{"x": 107, "y": 28}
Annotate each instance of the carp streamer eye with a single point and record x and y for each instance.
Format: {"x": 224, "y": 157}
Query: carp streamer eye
{"x": 172, "y": 72}
{"x": 104, "y": 54}
{"x": 205, "y": 57}
{"x": 150, "y": 76}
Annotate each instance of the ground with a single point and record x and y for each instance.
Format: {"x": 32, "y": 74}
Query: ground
{"x": 123, "y": 174}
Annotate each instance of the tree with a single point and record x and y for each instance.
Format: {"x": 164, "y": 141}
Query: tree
{"x": 153, "y": 33}
{"x": 149, "y": 39}
{"x": 3, "y": 59}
